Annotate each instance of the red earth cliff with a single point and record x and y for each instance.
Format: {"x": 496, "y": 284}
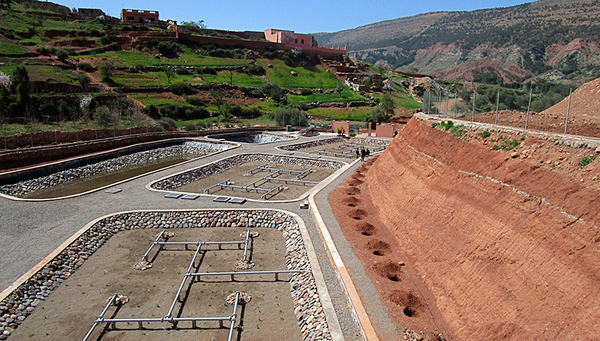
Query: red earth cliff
{"x": 508, "y": 248}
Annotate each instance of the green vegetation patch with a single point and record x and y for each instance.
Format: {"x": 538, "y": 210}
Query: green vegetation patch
{"x": 586, "y": 160}
{"x": 306, "y": 77}
{"x": 10, "y": 48}
{"x": 358, "y": 114}
{"x": 508, "y": 144}
{"x": 346, "y": 95}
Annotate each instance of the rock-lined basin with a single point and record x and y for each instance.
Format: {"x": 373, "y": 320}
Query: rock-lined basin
{"x": 252, "y": 137}
{"x": 320, "y": 169}
{"x": 308, "y": 308}
{"x": 79, "y": 176}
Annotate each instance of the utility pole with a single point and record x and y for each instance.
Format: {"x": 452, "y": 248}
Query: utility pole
{"x": 528, "y": 107}
{"x": 497, "y": 104}
{"x": 568, "y": 110}
{"x": 474, "y": 98}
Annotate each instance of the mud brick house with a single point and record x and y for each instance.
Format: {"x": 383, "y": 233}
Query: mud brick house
{"x": 292, "y": 40}
{"x": 136, "y": 16}
{"x": 289, "y": 38}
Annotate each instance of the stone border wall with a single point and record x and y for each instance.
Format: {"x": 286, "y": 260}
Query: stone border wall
{"x": 181, "y": 179}
{"x": 355, "y": 140}
{"x": 308, "y": 309}
{"x": 29, "y": 186}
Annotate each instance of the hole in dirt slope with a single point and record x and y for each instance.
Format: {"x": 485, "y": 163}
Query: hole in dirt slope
{"x": 500, "y": 261}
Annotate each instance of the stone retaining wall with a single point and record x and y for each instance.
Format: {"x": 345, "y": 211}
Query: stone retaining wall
{"x": 308, "y": 309}
{"x": 354, "y": 140}
{"x": 181, "y": 179}
{"x": 28, "y": 186}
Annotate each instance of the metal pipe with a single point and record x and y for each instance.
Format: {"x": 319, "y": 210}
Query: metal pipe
{"x": 165, "y": 319}
{"x": 246, "y": 244}
{"x": 233, "y": 316}
{"x": 231, "y": 273}
{"x": 144, "y": 257}
{"x": 200, "y": 243}
{"x": 185, "y": 277}
{"x": 100, "y": 317}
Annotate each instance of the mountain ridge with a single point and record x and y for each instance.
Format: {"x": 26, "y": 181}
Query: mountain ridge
{"x": 538, "y": 30}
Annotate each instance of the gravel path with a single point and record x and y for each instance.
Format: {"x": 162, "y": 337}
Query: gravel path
{"x": 31, "y": 230}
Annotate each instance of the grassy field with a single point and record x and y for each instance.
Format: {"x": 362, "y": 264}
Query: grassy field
{"x": 9, "y": 48}
{"x": 307, "y": 77}
{"x": 156, "y": 99}
{"x": 187, "y": 58}
{"x": 351, "y": 114}
{"x": 346, "y": 96}
{"x": 44, "y": 73}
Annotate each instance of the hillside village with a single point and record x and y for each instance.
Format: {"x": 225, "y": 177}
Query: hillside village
{"x": 95, "y": 72}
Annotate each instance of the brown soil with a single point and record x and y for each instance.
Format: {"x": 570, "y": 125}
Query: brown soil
{"x": 237, "y": 176}
{"x": 401, "y": 292}
{"x": 110, "y": 270}
{"x": 504, "y": 244}
{"x": 584, "y": 115}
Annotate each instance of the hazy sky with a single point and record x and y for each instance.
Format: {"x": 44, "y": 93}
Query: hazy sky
{"x": 308, "y": 16}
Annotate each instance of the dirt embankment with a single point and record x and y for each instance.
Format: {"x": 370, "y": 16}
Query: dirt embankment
{"x": 507, "y": 246}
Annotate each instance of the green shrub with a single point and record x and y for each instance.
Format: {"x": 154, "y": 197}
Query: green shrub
{"x": 194, "y": 100}
{"x": 206, "y": 70}
{"x": 83, "y": 79}
{"x": 104, "y": 117}
{"x": 181, "y": 89}
{"x": 508, "y": 144}
{"x": 87, "y": 67}
{"x": 181, "y": 112}
{"x": 256, "y": 69}
{"x": 169, "y": 50}
{"x": 485, "y": 134}
{"x": 96, "y": 33}
{"x": 62, "y": 55}
{"x": 105, "y": 40}
{"x": 190, "y": 126}
{"x": 182, "y": 71}
{"x": 586, "y": 160}
{"x": 306, "y": 92}
{"x": 458, "y": 130}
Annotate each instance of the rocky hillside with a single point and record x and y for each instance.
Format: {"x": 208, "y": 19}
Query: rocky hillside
{"x": 550, "y": 39}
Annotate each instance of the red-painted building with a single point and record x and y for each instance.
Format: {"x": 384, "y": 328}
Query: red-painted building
{"x": 136, "y": 16}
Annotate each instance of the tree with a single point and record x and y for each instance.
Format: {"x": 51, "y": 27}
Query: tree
{"x": 218, "y": 98}
{"x": 272, "y": 90}
{"x": 21, "y": 80}
{"x": 388, "y": 105}
{"x": 378, "y": 115}
{"x": 383, "y": 66}
{"x": 169, "y": 73}
{"x": 106, "y": 70}
{"x": 291, "y": 116}
{"x": 339, "y": 89}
